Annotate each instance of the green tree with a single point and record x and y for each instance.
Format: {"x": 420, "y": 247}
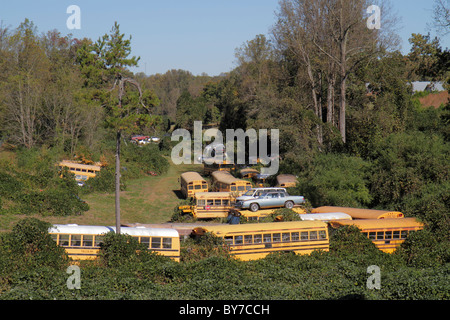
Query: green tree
{"x": 108, "y": 59}
{"x": 427, "y": 59}
{"x": 336, "y": 179}
{"x": 410, "y": 172}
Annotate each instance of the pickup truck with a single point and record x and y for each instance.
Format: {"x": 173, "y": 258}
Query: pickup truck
{"x": 271, "y": 200}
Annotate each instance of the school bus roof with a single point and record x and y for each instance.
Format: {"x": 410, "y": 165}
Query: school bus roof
{"x": 365, "y": 224}
{"x": 79, "y": 229}
{"x": 259, "y": 227}
{"x": 225, "y": 177}
{"x": 209, "y": 195}
{"x": 286, "y": 178}
{"x": 358, "y": 213}
{"x": 67, "y": 163}
{"x": 191, "y": 176}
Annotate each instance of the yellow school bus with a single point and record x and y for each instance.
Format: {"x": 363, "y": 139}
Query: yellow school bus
{"x": 83, "y": 242}
{"x": 223, "y": 181}
{"x": 256, "y": 240}
{"x": 261, "y": 214}
{"x": 224, "y": 166}
{"x": 386, "y": 234}
{"x": 209, "y": 205}
{"x": 192, "y": 182}
{"x": 357, "y": 213}
{"x": 81, "y": 171}
{"x": 286, "y": 180}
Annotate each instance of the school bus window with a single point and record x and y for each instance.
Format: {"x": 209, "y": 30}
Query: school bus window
{"x": 75, "y": 240}
{"x": 54, "y": 237}
{"x": 380, "y": 235}
{"x": 248, "y": 239}
{"x": 286, "y": 237}
{"x": 217, "y": 202}
{"x": 257, "y": 238}
{"x": 145, "y": 241}
{"x": 304, "y": 235}
{"x": 396, "y": 235}
{"x": 267, "y": 237}
{"x": 209, "y": 202}
{"x": 241, "y": 188}
{"x": 388, "y": 235}
{"x": 226, "y": 202}
{"x": 197, "y": 186}
{"x": 404, "y": 234}
{"x": 167, "y": 243}
{"x": 200, "y": 202}
{"x": 156, "y": 243}
{"x": 322, "y": 234}
{"x": 229, "y": 240}
{"x": 191, "y": 187}
{"x": 249, "y": 187}
{"x": 98, "y": 240}
{"x": 238, "y": 240}
{"x": 87, "y": 240}
{"x": 64, "y": 240}
{"x": 295, "y": 236}
{"x": 276, "y": 237}
{"x": 313, "y": 235}
{"x": 233, "y": 188}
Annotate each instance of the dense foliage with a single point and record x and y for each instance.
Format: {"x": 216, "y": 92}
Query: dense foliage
{"x": 351, "y": 129}
{"x": 33, "y": 267}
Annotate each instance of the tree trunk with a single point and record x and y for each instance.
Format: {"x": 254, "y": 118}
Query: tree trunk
{"x": 118, "y": 181}
{"x": 342, "y": 109}
{"x": 343, "y": 71}
{"x": 330, "y": 95}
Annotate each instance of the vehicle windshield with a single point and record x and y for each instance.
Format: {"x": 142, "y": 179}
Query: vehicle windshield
{"x": 249, "y": 193}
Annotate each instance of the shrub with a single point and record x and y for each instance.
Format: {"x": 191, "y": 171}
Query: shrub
{"x": 336, "y": 179}
{"x": 198, "y": 248}
{"x": 120, "y": 249}
{"x": 30, "y": 242}
{"x": 349, "y": 240}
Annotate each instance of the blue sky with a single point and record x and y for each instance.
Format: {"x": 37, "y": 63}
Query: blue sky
{"x": 194, "y": 35}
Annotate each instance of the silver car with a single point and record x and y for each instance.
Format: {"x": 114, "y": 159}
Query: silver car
{"x": 271, "y": 200}
{"x": 256, "y": 192}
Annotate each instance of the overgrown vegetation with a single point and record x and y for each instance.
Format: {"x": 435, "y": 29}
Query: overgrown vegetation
{"x": 354, "y": 134}
{"x": 33, "y": 267}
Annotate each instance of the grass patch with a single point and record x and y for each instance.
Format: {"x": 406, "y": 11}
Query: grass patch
{"x": 149, "y": 199}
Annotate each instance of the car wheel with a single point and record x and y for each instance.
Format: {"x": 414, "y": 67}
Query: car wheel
{"x": 254, "y": 207}
{"x": 289, "y": 204}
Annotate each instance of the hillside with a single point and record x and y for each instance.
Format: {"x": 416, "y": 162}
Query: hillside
{"x": 435, "y": 99}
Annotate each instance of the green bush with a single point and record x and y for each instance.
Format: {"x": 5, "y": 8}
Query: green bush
{"x": 29, "y": 243}
{"x": 104, "y": 181}
{"x": 120, "y": 249}
{"x": 143, "y": 159}
{"x": 336, "y": 179}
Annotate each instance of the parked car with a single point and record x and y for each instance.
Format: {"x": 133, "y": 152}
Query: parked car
{"x": 256, "y": 192}
{"x": 271, "y": 200}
